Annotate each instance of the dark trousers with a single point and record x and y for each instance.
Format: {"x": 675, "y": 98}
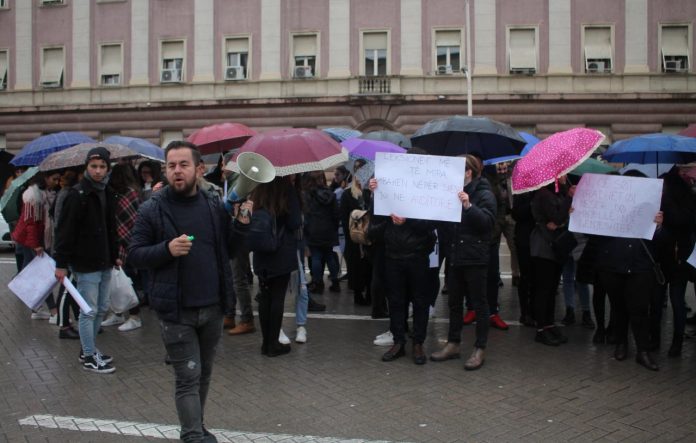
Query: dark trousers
{"x": 242, "y": 289}
{"x": 271, "y": 300}
{"x": 493, "y": 278}
{"x": 547, "y": 275}
{"x": 599, "y": 298}
{"x": 377, "y": 284}
{"x": 191, "y": 345}
{"x": 404, "y": 278}
{"x": 469, "y": 281}
{"x": 630, "y": 296}
{"x": 66, "y": 304}
{"x": 677, "y": 298}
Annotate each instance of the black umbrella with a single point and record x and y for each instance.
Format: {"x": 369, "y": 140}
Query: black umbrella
{"x": 458, "y": 135}
{"x": 397, "y": 138}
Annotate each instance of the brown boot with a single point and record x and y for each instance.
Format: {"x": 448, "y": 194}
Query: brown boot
{"x": 243, "y": 328}
{"x": 449, "y": 352}
{"x": 475, "y": 361}
{"x": 228, "y": 322}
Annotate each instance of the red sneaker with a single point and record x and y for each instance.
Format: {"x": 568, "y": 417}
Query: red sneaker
{"x": 498, "y": 323}
{"x": 469, "y": 317}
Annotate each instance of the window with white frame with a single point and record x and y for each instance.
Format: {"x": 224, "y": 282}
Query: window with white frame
{"x": 236, "y": 58}
{"x": 448, "y": 49}
{"x": 168, "y": 136}
{"x": 172, "y": 62}
{"x": 675, "y": 49}
{"x": 598, "y": 53}
{"x": 52, "y": 67}
{"x": 111, "y": 67}
{"x": 375, "y": 46}
{"x": 3, "y": 4}
{"x": 304, "y": 50}
{"x": 522, "y": 50}
{"x": 4, "y": 64}
{"x": 52, "y": 2}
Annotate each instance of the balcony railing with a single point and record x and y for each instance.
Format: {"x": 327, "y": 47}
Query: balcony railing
{"x": 374, "y": 85}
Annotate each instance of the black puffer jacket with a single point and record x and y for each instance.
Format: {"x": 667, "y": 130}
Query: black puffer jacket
{"x": 322, "y": 216}
{"x": 154, "y": 228}
{"x": 471, "y": 237}
{"x": 413, "y": 239}
{"x": 622, "y": 255}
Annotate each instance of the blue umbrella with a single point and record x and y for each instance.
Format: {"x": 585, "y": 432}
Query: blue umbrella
{"x": 142, "y": 146}
{"x": 342, "y": 134}
{"x": 531, "y": 141}
{"x": 38, "y": 149}
{"x": 653, "y": 149}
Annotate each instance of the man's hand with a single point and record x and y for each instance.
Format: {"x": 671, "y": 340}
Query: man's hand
{"x": 60, "y": 274}
{"x": 39, "y": 251}
{"x": 398, "y": 221}
{"x": 180, "y": 246}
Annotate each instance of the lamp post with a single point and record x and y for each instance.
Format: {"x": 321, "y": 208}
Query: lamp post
{"x": 469, "y": 104}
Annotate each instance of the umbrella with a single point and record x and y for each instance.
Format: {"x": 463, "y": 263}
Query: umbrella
{"x": 8, "y": 202}
{"x": 221, "y": 137}
{"x": 293, "y": 151}
{"x": 592, "y": 166}
{"x": 140, "y": 145}
{"x": 652, "y": 171}
{"x": 38, "y": 149}
{"x": 342, "y": 134}
{"x": 653, "y": 149}
{"x": 360, "y": 148}
{"x": 531, "y": 141}
{"x": 690, "y": 131}
{"x": 6, "y": 169}
{"x": 553, "y": 157}
{"x": 458, "y": 135}
{"x": 75, "y": 156}
{"x": 388, "y": 136}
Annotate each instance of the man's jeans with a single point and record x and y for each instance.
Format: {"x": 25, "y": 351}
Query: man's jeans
{"x": 94, "y": 288}
{"x": 191, "y": 345}
{"x": 321, "y": 256}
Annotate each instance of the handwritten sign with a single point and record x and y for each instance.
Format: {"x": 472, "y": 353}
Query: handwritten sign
{"x": 419, "y": 186}
{"x": 616, "y": 206}
{"x": 692, "y": 258}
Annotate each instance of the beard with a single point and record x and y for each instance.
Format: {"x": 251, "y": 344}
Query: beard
{"x": 184, "y": 188}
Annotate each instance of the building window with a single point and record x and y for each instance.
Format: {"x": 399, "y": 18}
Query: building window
{"x": 304, "y": 50}
{"x": 522, "y": 51}
{"x": 4, "y": 63}
{"x": 52, "y": 2}
{"x": 172, "y": 62}
{"x": 375, "y": 45}
{"x": 598, "y": 49}
{"x": 52, "y": 67}
{"x": 3, "y": 4}
{"x": 236, "y": 58}
{"x": 448, "y": 49}
{"x": 111, "y": 65}
{"x": 169, "y": 136}
{"x": 675, "y": 48}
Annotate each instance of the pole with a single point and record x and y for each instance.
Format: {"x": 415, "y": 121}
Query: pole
{"x": 469, "y": 104}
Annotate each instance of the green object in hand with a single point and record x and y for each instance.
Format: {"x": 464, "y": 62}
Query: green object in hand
{"x": 190, "y": 238}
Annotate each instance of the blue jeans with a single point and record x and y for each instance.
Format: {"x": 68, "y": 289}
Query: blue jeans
{"x": 569, "y": 286}
{"x": 94, "y": 288}
{"x": 191, "y": 344}
{"x": 302, "y": 300}
{"x": 321, "y": 255}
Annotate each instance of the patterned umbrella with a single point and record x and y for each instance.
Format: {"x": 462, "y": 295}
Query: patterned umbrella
{"x": 388, "y": 136}
{"x": 76, "y": 155}
{"x": 38, "y": 149}
{"x": 342, "y": 134}
{"x": 142, "y": 146}
{"x": 293, "y": 151}
{"x": 553, "y": 157}
{"x": 221, "y": 137}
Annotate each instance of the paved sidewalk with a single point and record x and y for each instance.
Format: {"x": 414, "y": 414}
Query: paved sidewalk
{"x": 335, "y": 387}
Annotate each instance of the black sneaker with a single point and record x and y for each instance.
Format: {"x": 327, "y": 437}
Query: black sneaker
{"x": 315, "y": 306}
{"x": 94, "y": 364}
{"x": 105, "y": 358}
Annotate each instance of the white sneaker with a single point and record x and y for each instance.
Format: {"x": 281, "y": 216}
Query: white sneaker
{"x": 41, "y": 315}
{"x": 113, "y": 319}
{"x": 431, "y": 312}
{"x": 283, "y": 339}
{"x": 386, "y": 339}
{"x": 53, "y": 319}
{"x": 301, "y": 336}
{"x": 132, "y": 323}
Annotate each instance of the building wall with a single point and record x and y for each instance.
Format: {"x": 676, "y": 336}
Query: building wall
{"x": 112, "y": 24}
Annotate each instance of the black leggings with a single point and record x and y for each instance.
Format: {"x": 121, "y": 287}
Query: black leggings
{"x": 271, "y": 300}
{"x": 630, "y": 296}
{"x": 66, "y": 304}
{"x": 547, "y": 275}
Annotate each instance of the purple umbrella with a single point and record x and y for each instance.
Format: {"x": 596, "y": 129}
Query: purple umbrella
{"x": 362, "y": 148}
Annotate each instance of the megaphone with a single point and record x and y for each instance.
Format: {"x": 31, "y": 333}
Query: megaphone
{"x": 254, "y": 169}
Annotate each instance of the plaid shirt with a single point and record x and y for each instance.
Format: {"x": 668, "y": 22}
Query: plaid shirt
{"x": 126, "y": 211}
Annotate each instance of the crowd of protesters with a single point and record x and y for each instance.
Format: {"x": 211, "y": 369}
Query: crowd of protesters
{"x": 187, "y": 250}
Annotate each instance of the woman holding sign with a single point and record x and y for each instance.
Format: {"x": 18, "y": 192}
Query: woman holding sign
{"x": 468, "y": 261}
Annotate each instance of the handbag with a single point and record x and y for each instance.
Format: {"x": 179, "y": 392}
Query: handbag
{"x": 562, "y": 245}
{"x": 122, "y": 293}
{"x": 657, "y": 269}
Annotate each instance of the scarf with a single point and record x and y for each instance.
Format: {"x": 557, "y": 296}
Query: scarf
{"x": 99, "y": 186}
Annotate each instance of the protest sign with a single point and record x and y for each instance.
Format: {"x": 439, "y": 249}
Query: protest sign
{"x": 35, "y": 282}
{"x": 419, "y": 186}
{"x": 616, "y": 206}
{"x": 692, "y": 258}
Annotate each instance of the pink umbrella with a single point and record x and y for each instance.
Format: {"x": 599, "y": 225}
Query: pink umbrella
{"x": 293, "y": 151}
{"x": 221, "y": 137}
{"x": 553, "y": 157}
{"x": 689, "y": 131}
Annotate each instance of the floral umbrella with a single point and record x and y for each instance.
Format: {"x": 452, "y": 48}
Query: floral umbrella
{"x": 553, "y": 157}
{"x": 293, "y": 151}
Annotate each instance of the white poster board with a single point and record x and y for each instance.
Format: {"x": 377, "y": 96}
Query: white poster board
{"x": 35, "y": 282}
{"x": 616, "y": 206}
{"x": 419, "y": 186}
{"x": 692, "y": 258}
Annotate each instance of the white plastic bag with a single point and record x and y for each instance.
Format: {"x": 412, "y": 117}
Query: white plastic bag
{"x": 123, "y": 296}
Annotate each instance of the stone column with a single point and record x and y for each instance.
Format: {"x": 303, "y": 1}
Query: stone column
{"x": 339, "y": 38}
{"x": 411, "y": 33}
{"x": 203, "y": 61}
{"x": 559, "y": 37}
{"x": 81, "y": 27}
{"x": 24, "y": 54}
{"x": 636, "y": 36}
{"x": 140, "y": 41}
{"x": 270, "y": 40}
{"x": 484, "y": 27}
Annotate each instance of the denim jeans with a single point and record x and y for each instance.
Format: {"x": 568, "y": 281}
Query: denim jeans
{"x": 242, "y": 288}
{"x": 569, "y": 286}
{"x": 191, "y": 345}
{"x": 321, "y": 255}
{"x": 302, "y": 300}
{"x": 94, "y": 288}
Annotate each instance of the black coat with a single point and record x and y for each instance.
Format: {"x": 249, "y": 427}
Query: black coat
{"x": 471, "y": 237}
{"x": 548, "y": 206}
{"x": 622, "y": 255}
{"x": 675, "y": 240}
{"x": 86, "y": 233}
{"x": 322, "y": 217}
{"x": 154, "y": 228}
{"x": 414, "y": 239}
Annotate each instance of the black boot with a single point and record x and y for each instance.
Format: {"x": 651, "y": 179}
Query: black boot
{"x": 335, "y": 287}
{"x": 587, "y": 320}
{"x": 644, "y": 359}
{"x": 676, "y": 349}
{"x": 569, "y": 318}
